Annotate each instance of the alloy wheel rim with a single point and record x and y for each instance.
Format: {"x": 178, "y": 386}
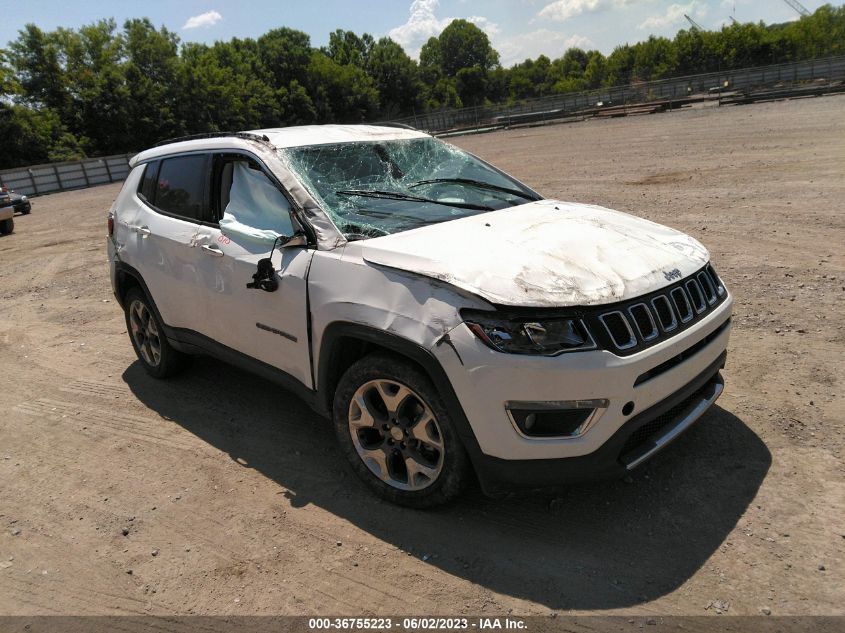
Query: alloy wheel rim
{"x": 396, "y": 434}
{"x": 145, "y": 333}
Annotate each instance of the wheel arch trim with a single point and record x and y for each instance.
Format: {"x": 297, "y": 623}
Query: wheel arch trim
{"x": 123, "y": 270}
{"x": 331, "y": 345}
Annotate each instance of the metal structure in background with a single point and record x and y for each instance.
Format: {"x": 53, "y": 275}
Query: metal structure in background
{"x": 809, "y": 77}
{"x": 53, "y": 177}
{"x": 827, "y": 72}
{"x": 800, "y": 8}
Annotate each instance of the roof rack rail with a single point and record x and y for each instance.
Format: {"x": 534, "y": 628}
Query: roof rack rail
{"x": 397, "y": 124}
{"x": 193, "y": 137}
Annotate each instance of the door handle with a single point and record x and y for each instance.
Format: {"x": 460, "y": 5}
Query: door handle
{"x": 212, "y": 250}
{"x": 143, "y": 231}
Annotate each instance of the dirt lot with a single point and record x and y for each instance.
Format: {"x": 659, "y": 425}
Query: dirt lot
{"x": 234, "y": 499}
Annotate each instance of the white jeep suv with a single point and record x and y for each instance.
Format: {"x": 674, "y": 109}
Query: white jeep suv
{"x": 448, "y": 319}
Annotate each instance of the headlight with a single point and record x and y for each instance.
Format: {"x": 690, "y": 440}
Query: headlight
{"x": 23, "y": 198}
{"x": 545, "y": 337}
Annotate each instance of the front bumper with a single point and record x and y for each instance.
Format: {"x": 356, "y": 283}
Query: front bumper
{"x": 653, "y": 380}
{"x": 635, "y": 442}
{"x": 23, "y": 206}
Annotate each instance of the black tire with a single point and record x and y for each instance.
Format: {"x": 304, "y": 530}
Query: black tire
{"x": 158, "y": 357}
{"x": 454, "y": 470}
{"x": 26, "y": 211}
{"x": 7, "y": 226}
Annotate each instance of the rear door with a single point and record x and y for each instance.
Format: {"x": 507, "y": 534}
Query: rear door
{"x": 173, "y": 199}
{"x": 249, "y": 209}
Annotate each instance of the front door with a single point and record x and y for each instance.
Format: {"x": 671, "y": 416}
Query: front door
{"x": 269, "y": 326}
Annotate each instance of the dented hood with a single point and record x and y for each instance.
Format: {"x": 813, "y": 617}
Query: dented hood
{"x": 545, "y": 254}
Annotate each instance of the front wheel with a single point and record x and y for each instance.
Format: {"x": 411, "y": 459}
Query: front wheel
{"x": 7, "y": 226}
{"x": 397, "y": 434}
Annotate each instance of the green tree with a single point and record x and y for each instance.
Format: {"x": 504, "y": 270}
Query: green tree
{"x": 347, "y": 48}
{"x": 97, "y": 84}
{"x": 34, "y": 136}
{"x": 396, "y": 77}
{"x": 654, "y": 59}
{"x": 286, "y": 54}
{"x": 620, "y": 66}
{"x": 464, "y": 45}
{"x": 340, "y": 93}
{"x": 596, "y": 69}
{"x": 531, "y": 78}
{"x": 35, "y": 57}
{"x": 462, "y": 52}
{"x": 99, "y": 89}
{"x": 152, "y": 72}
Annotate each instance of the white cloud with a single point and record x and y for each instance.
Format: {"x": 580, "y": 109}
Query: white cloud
{"x": 673, "y": 15}
{"x": 203, "y": 20}
{"x": 562, "y": 10}
{"x": 423, "y": 23}
{"x": 552, "y": 44}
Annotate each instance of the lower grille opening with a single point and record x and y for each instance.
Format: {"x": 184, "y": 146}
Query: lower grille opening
{"x": 655, "y": 426}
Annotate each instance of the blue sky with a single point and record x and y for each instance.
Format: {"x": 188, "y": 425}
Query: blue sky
{"x": 517, "y": 28}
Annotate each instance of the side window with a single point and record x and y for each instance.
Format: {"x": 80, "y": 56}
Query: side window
{"x": 250, "y": 203}
{"x": 181, "y": 186}
{"x": 147, "y": 186}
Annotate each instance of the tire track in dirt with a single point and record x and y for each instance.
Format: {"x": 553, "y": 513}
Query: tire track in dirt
{"x": 96, "y": 388}
{"x": 61, "y": 597}
{"x": 128, "y": 426}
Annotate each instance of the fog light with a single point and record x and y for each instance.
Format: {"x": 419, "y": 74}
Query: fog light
{"x": 554, "y": 419}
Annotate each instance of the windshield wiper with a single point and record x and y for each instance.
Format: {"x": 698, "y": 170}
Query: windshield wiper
{"x": 398, "y": 195}
{"x": 475, "y": 183}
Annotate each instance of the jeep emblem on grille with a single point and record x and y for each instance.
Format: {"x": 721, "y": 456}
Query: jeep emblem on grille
{"x": 672, "y": 274}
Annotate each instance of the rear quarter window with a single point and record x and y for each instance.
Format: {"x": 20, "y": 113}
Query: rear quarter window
{"x": 147, "y": 186}
{"x": 179, "y": 186}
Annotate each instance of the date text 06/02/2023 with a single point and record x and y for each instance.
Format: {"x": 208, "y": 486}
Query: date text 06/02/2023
{"x": 416, "y": 623}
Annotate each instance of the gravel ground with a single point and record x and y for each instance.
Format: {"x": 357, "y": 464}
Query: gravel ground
{"x": 218, "y": 493}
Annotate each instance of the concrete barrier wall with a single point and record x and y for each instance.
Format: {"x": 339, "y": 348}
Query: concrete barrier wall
{"x": 41, "y": 179}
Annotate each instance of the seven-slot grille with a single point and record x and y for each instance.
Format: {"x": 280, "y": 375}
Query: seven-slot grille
{"x": 642, "y": 322}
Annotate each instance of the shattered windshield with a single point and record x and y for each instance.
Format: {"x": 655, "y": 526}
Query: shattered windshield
{"x": 375, "y": 188}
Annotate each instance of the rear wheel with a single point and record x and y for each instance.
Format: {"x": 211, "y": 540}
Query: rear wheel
{"x": 146, "y": 332}
{"x": 7, "y": 226}
{"x": 396, "y": 433}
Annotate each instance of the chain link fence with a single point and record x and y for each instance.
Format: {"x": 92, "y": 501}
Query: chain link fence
{"x": 825, "y": 71}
